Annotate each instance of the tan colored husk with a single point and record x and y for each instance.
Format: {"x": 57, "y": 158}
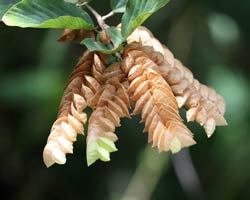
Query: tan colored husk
{"x": 71, "y": 117}
{"x": 110, "y": 103}
{"x": 70, "y": 35}
{"x": 203, "y": 104}
{"x": 154, "y": 100}
{"x": 103, "y": 119}
{"x": 109, "y": 108}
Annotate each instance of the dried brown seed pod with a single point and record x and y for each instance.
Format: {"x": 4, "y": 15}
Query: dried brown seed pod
{"x": 71, "y": 116}
{"x": 155, "y": 101}
{"x": 70, "y": 35}
{"x": 110, "y": 103}
{"x": 104, "y": 37}
{"x": 202, "y": 102}
{"x": 148, "y": 76}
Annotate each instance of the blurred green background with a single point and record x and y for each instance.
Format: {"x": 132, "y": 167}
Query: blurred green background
{"x": 210, "y": 37}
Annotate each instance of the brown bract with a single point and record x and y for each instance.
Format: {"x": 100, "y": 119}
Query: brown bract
{"x": 155, "y": 100}
{"x": 70, "y": 35}
{"x": 203, "y": 104}
{"x": 151, "y": 81}
{"x": 71, "y": 117}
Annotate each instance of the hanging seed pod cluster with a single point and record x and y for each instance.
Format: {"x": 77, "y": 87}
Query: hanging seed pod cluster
{"x": 124, "y": 72}
{"x": 147, "y": 80}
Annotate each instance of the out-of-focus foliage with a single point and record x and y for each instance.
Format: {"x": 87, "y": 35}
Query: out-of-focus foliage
{"x": 210, "y": 37}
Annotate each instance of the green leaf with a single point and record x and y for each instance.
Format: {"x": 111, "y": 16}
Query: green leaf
{"x": 47, "y": 14}
{"x": 116, "y": 38}
{"x": 5, "y": 5}
{"x": 72, "y": 1}
{"x": 100, "y": 149}
{"x": 93, "y": 45}
{"x": 118, "y": 6}
{"x": 137, "y": 11}
{"x": 115, "y": 35}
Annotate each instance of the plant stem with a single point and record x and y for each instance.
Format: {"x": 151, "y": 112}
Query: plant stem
{"x": 80, "y": 4}
{"x": 98, "y": 17}
{"x": 108, "y": 15}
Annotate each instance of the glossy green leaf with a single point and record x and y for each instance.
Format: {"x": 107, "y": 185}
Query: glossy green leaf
{"x": 116, "y": 38}
{"x": 47, "y": 14}
{"x": 137, "y": 11}
{"x": 118, "y": 6}
{"x": 100, "y": 149}
{"x": 5, "y": 5}
{"x": 115, "y": 35}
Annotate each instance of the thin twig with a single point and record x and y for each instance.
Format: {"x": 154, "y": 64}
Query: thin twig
{"x": 80, "y": 4}
{"x": 98, "y": 17}
{"x": 110, "y": 14}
